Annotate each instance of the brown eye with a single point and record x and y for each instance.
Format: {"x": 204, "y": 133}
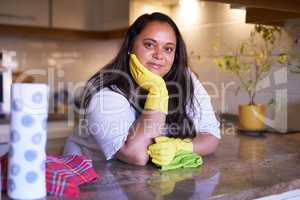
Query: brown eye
{"x": 169, "y": 49}
{"x": 148, "y": 45}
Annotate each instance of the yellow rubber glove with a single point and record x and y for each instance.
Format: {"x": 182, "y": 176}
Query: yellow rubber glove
{"x": 162, "y": 153}
{"x": 158, "y": 96}
{"x": 181, "y": 144}
{"x": 163, "y": 183}
{"x": 184, "y": 144}
{"x": 164, "y": 149}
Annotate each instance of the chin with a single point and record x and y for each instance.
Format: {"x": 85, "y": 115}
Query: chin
{"x": 159, "y": 74}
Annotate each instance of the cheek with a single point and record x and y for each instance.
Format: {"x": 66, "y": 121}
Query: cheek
{"x": 144, "y": 58}
{"x": 142, "y": 55}
{"x": 170, "y": 61}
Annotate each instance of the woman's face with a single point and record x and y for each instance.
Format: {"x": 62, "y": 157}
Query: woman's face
{"x": 155, "y": 47}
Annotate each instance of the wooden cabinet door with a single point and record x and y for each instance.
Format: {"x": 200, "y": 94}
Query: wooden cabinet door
{"x": 25, "y": 12}
{"x": 90, "y": 15}
{"x": 72, "y": 14}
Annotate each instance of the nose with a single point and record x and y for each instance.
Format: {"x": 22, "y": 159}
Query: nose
{"x": 158, "y": 53}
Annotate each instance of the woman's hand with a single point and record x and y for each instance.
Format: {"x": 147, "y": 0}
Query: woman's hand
{"x": 158, "y": 97}
{"x": 165, "y": 149}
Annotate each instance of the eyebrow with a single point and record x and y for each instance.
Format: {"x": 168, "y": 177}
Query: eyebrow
{"x": 168, "y": 43}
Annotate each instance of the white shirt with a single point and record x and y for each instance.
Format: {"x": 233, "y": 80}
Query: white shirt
{"x": 110, "y": 117}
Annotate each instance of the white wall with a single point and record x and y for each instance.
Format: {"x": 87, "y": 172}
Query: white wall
{"x": 138, "y": 8}
{"x": 78, "y": 60}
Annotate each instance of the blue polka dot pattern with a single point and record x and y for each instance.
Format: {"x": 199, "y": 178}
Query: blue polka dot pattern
{"x": 14, "y": 136}
{"x": 44, "y": 124}
{"x": 16, "y": 105}
{"x": 11, "y": 185}
{"x": 27, "y": 158}
{"x": 36, "y": 138}
{"x": 11, "y": 152}
{"x": 30, "y": 155}
{"x": 15, "y": 169}
{"x": 27, "y": 121}
{"x": 31, "y": 177}
{"x": 37, "y": 98}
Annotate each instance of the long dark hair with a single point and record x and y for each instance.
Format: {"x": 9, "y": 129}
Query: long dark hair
{"x": 116, "y": 73}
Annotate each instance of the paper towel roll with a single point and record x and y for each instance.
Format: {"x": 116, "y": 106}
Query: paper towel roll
{"x": 27, "y": 155}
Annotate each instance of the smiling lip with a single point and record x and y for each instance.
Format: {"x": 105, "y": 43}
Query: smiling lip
{"x": 155, "y": 66}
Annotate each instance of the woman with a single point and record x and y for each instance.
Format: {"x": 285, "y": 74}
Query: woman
{"x": 146, "y": 91}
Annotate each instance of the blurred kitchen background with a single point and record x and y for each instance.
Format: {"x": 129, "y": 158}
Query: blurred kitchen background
{"x": 63, "y": 42}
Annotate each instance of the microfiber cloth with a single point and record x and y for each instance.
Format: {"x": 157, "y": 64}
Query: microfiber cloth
{"x": 183, "y": 159}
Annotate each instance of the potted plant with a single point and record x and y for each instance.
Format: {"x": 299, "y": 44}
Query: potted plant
{"x": 296, "y": 68}
{"x": 250, "y": 63}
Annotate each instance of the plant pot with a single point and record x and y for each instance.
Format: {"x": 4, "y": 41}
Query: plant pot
{"x": 252, "y": 117}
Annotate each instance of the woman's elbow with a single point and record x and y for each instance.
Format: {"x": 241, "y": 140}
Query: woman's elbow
{"x": 134, "y": 158}
{"x": 214, "y": 146}
{"x": 205, "y": 144}
{"x": 141, "y": 160}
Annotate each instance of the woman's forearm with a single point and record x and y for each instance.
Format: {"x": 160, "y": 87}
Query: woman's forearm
{"x": 205, "y": 144}
{"x": 149, "y": 125}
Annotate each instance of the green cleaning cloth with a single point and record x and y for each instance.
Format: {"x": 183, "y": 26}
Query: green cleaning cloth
{"x": 183, "y": 159}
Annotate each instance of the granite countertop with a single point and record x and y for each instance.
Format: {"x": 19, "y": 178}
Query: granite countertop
{"x": 242, "y": 168}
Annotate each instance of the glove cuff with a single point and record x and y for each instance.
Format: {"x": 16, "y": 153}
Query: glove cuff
{"x": 185, "y": 145}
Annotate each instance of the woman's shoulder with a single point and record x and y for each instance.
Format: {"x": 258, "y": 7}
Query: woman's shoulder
{"x": 111, "y": 91}
{"x": 198, "y": 87}
{"x": 109, "y": 98}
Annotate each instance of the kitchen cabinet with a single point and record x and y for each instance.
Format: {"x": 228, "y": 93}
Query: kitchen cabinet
{"x": 92, "y": 15}
{"x": 28, "y": 13}
{"x": 74, "y": 14}
{"x": 276, "y": 12}
{"x": 64, "y": 19}
{"x": 114, "y": 14}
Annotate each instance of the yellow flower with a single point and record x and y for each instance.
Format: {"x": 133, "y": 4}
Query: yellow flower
{"x": 282, "y": 58}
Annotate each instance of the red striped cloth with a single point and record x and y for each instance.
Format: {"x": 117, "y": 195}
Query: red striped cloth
{"x": 64, "y": 174}
{"x": 4, "y": 164}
